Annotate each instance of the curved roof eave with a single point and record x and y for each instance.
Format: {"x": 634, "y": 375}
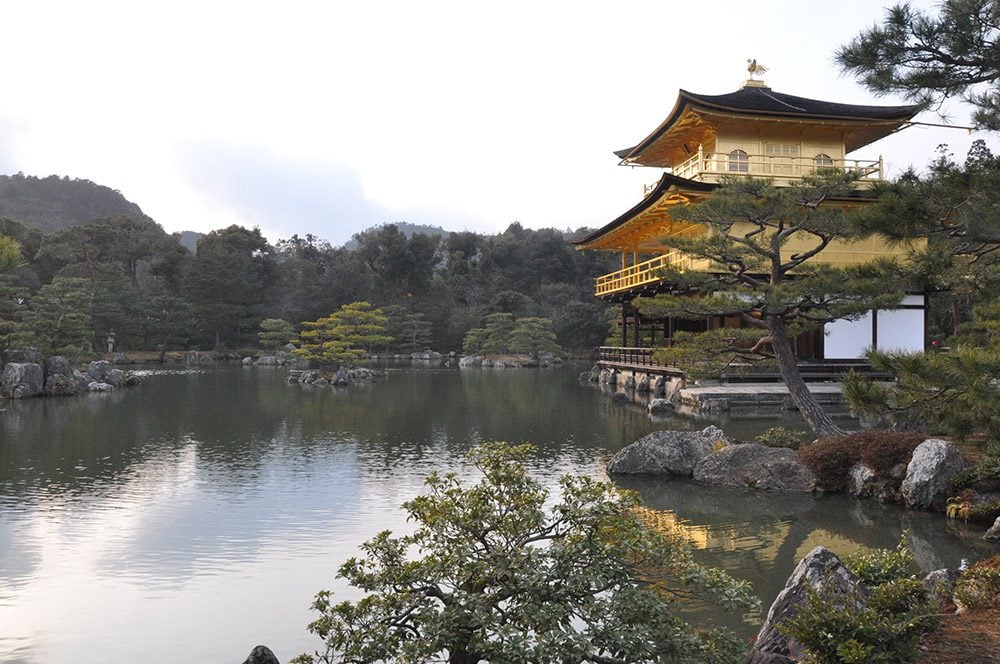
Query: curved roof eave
{"x": 666, "y": 182}
{"x": 751, "y": 100}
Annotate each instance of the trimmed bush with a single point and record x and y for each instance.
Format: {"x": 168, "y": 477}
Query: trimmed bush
{"x": 830, "y": 459}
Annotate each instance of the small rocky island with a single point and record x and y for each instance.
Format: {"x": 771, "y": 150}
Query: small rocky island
{"x": 26, "y": 374}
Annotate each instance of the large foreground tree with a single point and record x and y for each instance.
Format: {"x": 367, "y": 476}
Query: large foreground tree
{"x": 929, "y": 58}
{"x": 762, "y": 249}
{"x": 494, "y": 573}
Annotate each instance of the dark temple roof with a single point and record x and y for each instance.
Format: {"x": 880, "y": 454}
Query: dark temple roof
{"x": 759, "y": 100}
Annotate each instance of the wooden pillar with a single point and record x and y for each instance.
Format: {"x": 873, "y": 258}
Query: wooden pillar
{"x": 624, "y": 323}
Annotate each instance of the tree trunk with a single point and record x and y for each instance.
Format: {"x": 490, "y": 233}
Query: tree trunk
{"x": 811, "y": 410}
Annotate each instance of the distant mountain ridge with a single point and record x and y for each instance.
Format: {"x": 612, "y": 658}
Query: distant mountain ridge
{"x": 53, "y": 203}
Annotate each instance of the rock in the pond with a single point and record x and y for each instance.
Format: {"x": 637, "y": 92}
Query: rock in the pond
{"x": 268, "y": 361}
{"x": 21, "y": 380}
{"x": 667, "y": 452}
{"x": 756, "y": 466}
{"x": 821, "y": 570}
{"x": 993, "y": 534}
{"x": 660, "y": 407}
{"x": 95, "y": 386}
{"x": 471, "y": 361}
{"x": 99, "y": 370}
{"x": 60, "y": 379}
{"x": 929, "y": 474}
{"x": 261, "y": 655}
{"x": 116, "y": 378}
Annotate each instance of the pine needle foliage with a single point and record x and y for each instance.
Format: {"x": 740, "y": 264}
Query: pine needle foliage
{"x": 497, "y": 572}
{"x": 763, "y": 248}
{"x": 347, "y": 335}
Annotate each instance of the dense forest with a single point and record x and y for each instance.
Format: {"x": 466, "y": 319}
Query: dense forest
{"x": 66, "y": 289}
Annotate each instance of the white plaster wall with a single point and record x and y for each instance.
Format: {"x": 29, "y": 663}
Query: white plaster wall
{"x": 901, "y": 330}
{"x": 848, "y": 339}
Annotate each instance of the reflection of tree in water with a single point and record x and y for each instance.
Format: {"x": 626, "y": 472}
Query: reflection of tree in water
{"x": 761, "y": 536}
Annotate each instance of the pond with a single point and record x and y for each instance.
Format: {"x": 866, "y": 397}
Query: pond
{"x": 196, "y": 515}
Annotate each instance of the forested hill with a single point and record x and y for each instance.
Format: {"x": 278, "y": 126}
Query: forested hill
{"x": 53, "y": 203}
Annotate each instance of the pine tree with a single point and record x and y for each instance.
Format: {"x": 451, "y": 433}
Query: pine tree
{"x": 275, "y": 333}
{"x": 763, "y": 243}
{"x": 347, "y": 335}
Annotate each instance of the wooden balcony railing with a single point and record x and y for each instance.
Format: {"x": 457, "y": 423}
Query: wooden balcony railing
{"x": 709, "y": 166}
{"x": 622, "y": 355}
{"x": 646, "y": 272}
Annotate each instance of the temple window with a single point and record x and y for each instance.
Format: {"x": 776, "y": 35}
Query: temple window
{"x": 739, "y": 161}
{"x": 823, "y": 161}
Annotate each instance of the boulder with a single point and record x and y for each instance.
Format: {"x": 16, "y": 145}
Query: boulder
{"x": 993, "y": 534}
{"x": 471, "y": 361}
{"x": 822, "y": 570}
{"x": 247, "y": 361}
{"x": 859, "y": 479}
{"x": 21, "y": 380}
{"x": 95, "y": 386}
{"x": 341, "y": 377}
{"x": 660, "y": 407}
{"x": 81, "y": 379}
{"x": 929, "y": 474}
{"x": 116, "y": 378}
{"x": 940, "y": 587}
{"x": 310, "y": 377}
{"x": 756, "y": 466}
{"x": 268, "y": 361}
{"x": 99, "y": 370}
{"x": 60, "y": 379}
{"x": 642, "y": 384}
{"x": 667, "y": 452}
{"x": 261, "y": 655}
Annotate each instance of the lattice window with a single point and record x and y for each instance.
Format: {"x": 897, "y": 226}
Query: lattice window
{"x": 739, "y": 162}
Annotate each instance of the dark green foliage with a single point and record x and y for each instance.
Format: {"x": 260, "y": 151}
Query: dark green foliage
{"x": 502, "y": 334}
{"x": 410, "y": 331}
{"x": 984, "y": 475}
{"x": 885, "y": 630}
{"x": 275, "y": 333}
{"x": 782, "y": 437}
{"x": 57, "y": 319}
{"x": 930, "y": 58}
{"x": 497, "y": 572}
{"x": 145, "y": 282}
{"x": 831, "y": 458}
{"x": 228, "y": 283}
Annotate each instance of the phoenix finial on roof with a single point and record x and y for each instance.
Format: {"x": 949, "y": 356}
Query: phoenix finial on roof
{"x": 755, "y": 68}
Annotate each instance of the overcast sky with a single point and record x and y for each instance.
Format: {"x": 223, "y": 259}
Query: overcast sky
{"x": 330, "y": 117}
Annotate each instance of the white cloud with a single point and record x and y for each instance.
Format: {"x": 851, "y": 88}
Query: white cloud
{"x": 487, "y": 113}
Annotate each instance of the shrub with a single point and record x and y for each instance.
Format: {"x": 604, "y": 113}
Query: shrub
{"x": 839, "y": 630}
{"x": 885, "y": 630}
{"x": 984, "y": 475}
{"x": 881, "y": 566}
{"x": 830, "y": 459}
{"x": 978, "y": 588}
{"x": 782, "y": 437}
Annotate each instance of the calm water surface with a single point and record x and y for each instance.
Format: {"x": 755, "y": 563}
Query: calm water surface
{"x": 196, "y": 515}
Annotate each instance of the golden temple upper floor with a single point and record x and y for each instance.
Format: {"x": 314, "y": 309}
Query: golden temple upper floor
{"x": 759, "y": 131}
